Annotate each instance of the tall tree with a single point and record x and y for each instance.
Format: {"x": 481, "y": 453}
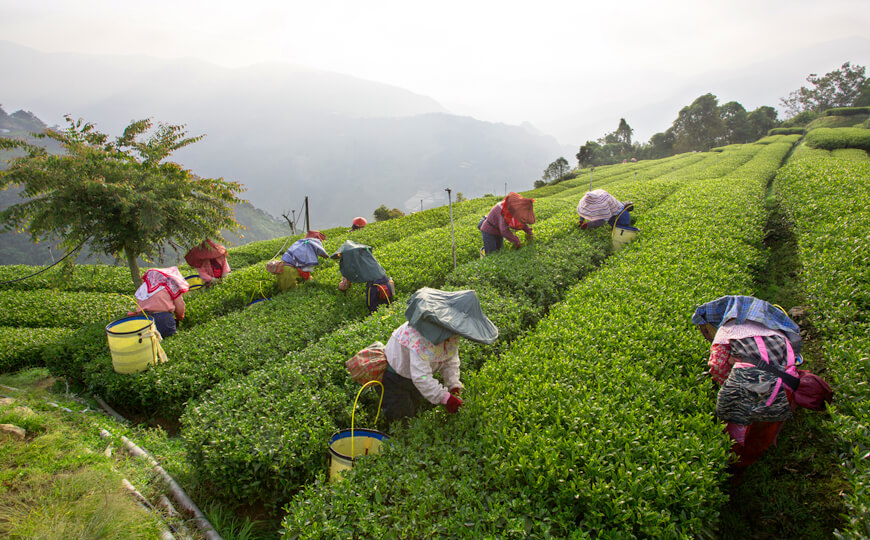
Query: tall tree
{"x": 382, "y": 213}
{"x": 698, "y": 126}
{"x": 556, "y": 170}
{"x": 761, "y": 120}
{"x": 120, "y": 197}
{"x": 735, "y": 124}
{"x": 586, "y": 155}
{"x": 624, "y": 132}
{"x": 838, "y": 88}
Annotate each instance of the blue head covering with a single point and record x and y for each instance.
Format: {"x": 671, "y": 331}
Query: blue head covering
{"x": 748, "y": 308}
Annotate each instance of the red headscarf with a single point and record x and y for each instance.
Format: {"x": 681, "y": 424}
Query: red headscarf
{"x": 519, "y": 208}
{"x": 198, "y": 255}
{"x": 316, "y": 234}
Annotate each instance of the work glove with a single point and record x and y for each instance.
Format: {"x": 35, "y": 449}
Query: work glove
{"x": 453, "y": 404}
{"x": 456, "y": 391}
{"x": 583, "y": 224}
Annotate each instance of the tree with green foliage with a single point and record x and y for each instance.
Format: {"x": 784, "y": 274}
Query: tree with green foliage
{"x": 698, "y": 126}
{"x": 661, "y": 144}
{"x": 556, "y": 170}
{"x": 760, "y": 121}
{"x": 586, "y": 155}
{"x": 120, "y": 197}
{"x": 623, "y": 133}
{"x": 382, "y": 213}
{"x": 839, "y": 88}
{"x": 460, "y": 197}
{"x": 735, "y": 123}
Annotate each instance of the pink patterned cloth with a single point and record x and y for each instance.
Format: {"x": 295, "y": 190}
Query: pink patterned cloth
{"x": 169, "y": 279}
{"x": 598, "y": 204}
{"x": 720, "y": 362}
{"x": 414, "y": 357}
{"x": 410, "y": 338}
{"x": 730, "y": 330}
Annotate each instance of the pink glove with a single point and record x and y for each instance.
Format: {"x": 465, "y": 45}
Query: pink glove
{"x": 453, "y": 404}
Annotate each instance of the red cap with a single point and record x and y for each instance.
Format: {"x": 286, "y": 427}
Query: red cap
{"x": 359, "y": 222}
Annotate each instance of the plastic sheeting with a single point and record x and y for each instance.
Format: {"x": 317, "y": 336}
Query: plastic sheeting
{"x": 439, "y": 314}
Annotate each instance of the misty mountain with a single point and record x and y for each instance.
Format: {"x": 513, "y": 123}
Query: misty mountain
{"x": 287, "y": 132}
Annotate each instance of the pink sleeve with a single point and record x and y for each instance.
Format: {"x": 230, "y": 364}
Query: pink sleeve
{"x": 179, "y": 307}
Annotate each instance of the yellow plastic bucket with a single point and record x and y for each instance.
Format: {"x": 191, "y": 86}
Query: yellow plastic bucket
{"x": 349, "y": 444}
{"x": 134, "y": 343}
{"x": 194, "y": 282}
{"x": 622, "y": 236}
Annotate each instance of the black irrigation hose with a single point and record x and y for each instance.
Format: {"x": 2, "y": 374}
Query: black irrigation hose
{"x": 47, "y": 267}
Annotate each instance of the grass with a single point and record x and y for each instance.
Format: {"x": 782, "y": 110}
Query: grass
{"x": 64, "y": 481}
{"x": 59, "y": 482}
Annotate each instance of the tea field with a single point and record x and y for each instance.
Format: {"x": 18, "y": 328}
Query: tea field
{"x": 592, "y": 414}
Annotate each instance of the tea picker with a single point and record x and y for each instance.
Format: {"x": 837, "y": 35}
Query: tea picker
{"x": 357, "y": 264}
{"x": 160, "y": 298}
{"x": 210, "y": 261}
{"x": 428, "y": 344}
{"x": 299, "y": 260}
{"x": 513, "y": 213}
{"x": 598, "y": 207}
{"x": 754, "y": 353}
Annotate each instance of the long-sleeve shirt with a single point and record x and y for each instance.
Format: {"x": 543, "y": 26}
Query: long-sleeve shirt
{"x": 162, "y": 301}
{"x": 414, "y": 357}
{"x": 497, "y": 225}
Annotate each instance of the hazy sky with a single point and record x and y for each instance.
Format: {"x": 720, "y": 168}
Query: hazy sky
{"x": 500, "y": 61}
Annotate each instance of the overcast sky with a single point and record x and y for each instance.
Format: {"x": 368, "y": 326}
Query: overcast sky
{"x": 543, "y": 61}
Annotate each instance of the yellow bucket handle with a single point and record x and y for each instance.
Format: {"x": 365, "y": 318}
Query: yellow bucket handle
{"x": 260, "y": 284}
{"x": 137, "y": 305}
{"x": 353, "y": 413}
{"x": 619, "y": 215}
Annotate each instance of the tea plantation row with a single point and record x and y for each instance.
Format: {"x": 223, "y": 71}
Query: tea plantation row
{"x": 828, "y": 199}
{"x": 220, "y": 438}
{"x": 599, "y": 422}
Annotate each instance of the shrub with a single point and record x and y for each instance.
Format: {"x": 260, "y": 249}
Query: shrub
{"x": 847, "y": 111}
{"x": 833, "y": 138}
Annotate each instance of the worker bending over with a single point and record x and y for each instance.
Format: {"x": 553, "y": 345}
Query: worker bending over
{"x": 428, "y": 345}
{"x": 514, "y": 213}
{"x": 598, "y": 207}
{"x": 160, "y": 298}
{"x": 300, "y": 259}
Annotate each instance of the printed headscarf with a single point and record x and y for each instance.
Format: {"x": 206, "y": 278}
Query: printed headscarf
{"x": 598, "y": 204}
{"x": 748, "y": 308}
{"x": 162, "y": 278}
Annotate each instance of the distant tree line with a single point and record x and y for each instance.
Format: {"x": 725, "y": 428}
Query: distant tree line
{"x": 705, "y": 124}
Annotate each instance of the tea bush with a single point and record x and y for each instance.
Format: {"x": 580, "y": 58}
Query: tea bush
{"x": 21, "y": 347}
{"x": 96, "y": 278}
{"x": 828, "y": 200}
{"x": 833, "y": 138}
{"x": 597, "y": 423}
{"x": 49, "y": 307}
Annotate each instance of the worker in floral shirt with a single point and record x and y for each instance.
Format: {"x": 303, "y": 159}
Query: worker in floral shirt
{"x": 428, "y": 345}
